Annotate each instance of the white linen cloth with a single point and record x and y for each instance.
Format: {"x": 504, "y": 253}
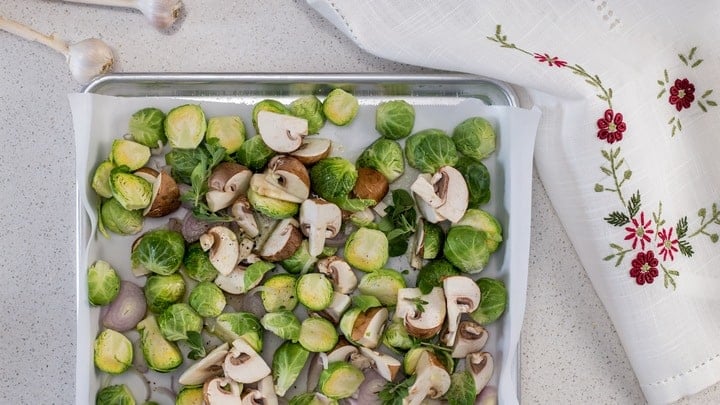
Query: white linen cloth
{"x": 627, "y": 147}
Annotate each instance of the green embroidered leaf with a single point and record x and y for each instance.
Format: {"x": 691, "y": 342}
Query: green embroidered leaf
{"x": 610, "y": 93}
{"x": 616, "y": 153}
{"x": 699, "y": 61}
{"x": 590, "y": 82}
{"x": 665, "y": 73}
{"x": 683, "y": 59}
{"x": 661, "y": 93}
{"x": 711, "y": 103}
{"x": 702, "y": 106}
{"x": 679, "y": 124}
{"x": 498, "y": 29}
{"x": 619, "y": 163}
{"x": 617, "y": 218}
{"x": 601, "y": 97}
{"x": 615, "y": 246}
{"x": 599, "y": 188}
{"x": 660, "y": 82}
{"x": 707, "y": 93}
{"x": 702, "y": 212}
{"x": 714, "y": 238}
{"x": 692, "y": 52}
{"x": 685, "y": 248}
{"x": 607, "y": 258}
{"x": 634, "y": 204}
{"x": 627, "y": 174}
{"x": 682, "y": 227}
{"x": 606, "y": 170}
{"x": 605, "y": 154}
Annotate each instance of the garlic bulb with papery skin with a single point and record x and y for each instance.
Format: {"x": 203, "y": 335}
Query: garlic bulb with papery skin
{"x": 162, "y": 14}
{"x": 89, "y": 58}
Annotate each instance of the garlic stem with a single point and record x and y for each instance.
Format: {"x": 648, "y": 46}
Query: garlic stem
{"x": 109, "y": 3}
{"x": 160, "y": 13}
{"x": 30, "y": 34}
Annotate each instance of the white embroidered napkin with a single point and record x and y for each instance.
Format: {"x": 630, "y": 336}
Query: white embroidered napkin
{"x": 627, "y": 147}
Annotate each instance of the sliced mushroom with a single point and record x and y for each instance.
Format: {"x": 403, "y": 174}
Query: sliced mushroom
{"x": 263, "y": 395}
{"x": 369, "y": 327}
{"x": 462, "y": 296}
{"x": 244, "y": 217}
{"x": 339, "y": 304}
{"x": 243, "y": 364}
{"x": 481, "y": 366}
{"x": 234, "y": 282}
{"x": 340, "y": 274}
{"x": 445, "y": 192}
{"x": 165, "y": 193}
{"x": 290, "y": 175}
{"x": 227, "y": 182}
{"x": 206, "y": 368}
{"x": 312, "y": 150}
{"x": 431, "y": 381}
{"x": 224, "y": 248}
{"x": 260, "y": 184}
{"x": 280, "y": 132}
{"x": 341, "y": 352}
{"x": 471, "y": 337}
{"x": 222, "y": 391}
{"x": 385, "y": 365}
{"x": 319, "y": 220}
{"x": 283, "y": 241}
{"x": 422, "y": 314}
{"x": 371, "y": 185}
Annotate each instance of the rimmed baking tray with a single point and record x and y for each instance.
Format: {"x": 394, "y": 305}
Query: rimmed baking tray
{"x": 370, "y": 88}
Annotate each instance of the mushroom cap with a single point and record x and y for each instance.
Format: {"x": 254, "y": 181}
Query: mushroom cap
{"x": 203, "y": 369}
{"x": 462, "y": 296}
{"x": 283, "y": 241}
{"x": 244, "y": 216}
{"x": 371, "y": 185}
{"x": 319, "y": 219}
{"x": 368, "y": 327}
{"x": 312, "y": 150}
{"x": 426, "y": 323}
{"x": 243, "y": 364}
{"x": 339, "y": 272}
{"x": 445, "y": 193}
{"x": 165, "y": 193}
{"x": 281, "y": 132}
{"x": 222, "y": 391}
{"x": 224, "y": 249}
{"x": 481, "y": 366}
{"x": 471, "y": 337}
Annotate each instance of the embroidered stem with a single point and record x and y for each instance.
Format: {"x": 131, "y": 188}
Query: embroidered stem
{"x": 669, "y": 276}
{"x": 593, "y": 80}
{"x": 706, "y": 221}
{"x": 502, "y": 40}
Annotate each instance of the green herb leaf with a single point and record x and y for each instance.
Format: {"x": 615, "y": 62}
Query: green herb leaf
{"x": 197, "y": 349}
{"x": 394, "y": 393}
{"x": 419, "y": 303}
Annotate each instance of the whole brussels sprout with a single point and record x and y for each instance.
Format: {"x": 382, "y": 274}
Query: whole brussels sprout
{"x": 340, "y": 107}
{"x": 115, "y": 395}
{"x": 131, "y": 191}
{"x": 159, "y": 251}
{"x": 197, "y": 264}
{"x": 146, "y": 127}
{"x": 254, "y": 154}
{"x": 207, "y": 299}
{"x": 179, "y": 319}
{"x": 163, "y": 291}
{"x": 115, "y": 218}
{"x": 385, "y": 156}
{"x": 474, "y": 137}
{"x": 433, "y": 273}
{"x": 467, "y": 248}
{"x": 367, "y": 249}
{"x": 267, "y": 105}
{"x": 333, "y": 178}
{"x": 429, "y": 150}
{"x": 234, "y": 325}
{"x": 493, "y": 299}
{"x": 101, "y": 179}
{"x": 103, "y": 283}
{"x": 310, "y": 108}
{"x": 185, "y": 126}
{"x": 228, "y": 130}
{"x": 395, "y": 119}
{"x": 477, "y": 178}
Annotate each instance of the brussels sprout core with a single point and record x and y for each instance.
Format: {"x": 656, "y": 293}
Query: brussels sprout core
{"x": 319, "y": 219}
{"x": 224, "y": 248}
{"x": 221, "y": 390}
{"x": 243, "y": 364}
{"x": 205, "y": 368}
{"x": 226, "y": 183}
{"x": 423, "y": 314}
{"x": 471, "y": 338}
{"x": 432, "y": 380}
{"x": 445, "y": 195}
{"x": 462, "y": 296}
{"x": 481, "y": 366}
{"x": 280, "y": 132}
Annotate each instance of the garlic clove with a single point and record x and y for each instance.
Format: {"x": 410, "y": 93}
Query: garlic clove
{"x": 89, "y": 58}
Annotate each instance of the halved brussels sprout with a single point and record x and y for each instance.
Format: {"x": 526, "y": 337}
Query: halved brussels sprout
{"x": 317, "y": 335}
{"x": 230, "y": 326}
{"x": 312, "y": 398}
{"x": 467, "y": 248}
{"x": 396, "y": 336}
{"x": 160, "y": 354}
{"x": 272, "y": 207}
{"x": 433, "y": 239}
{"x": 474, "y": 137}
{"x": 340, "y": 107}
{"x": 340, "y": 380}
{"x": 115, "y": 218}
{"x": 207, "y": 299}
{"x": 287, "y": 363}
{"x": 115, "y": 395}
{"x": 367, "y": 249}
{"x": 113, "y": 352}
{"x": 433, "y": 273}
{"x": 146, "y": 127}
{"x": 267, "y": 105}
{"x": 163, "y": 291}
{"x": 103, "y": 283}
{"x": 310, "y": 108}
{"x": 185, "y": 126}
{"x": 190, "y": 396}
{"x": 395, "y": 119}
{"x": 493, "y": 299}
{"x": 254, "y": 154}
{"x": 159, "y": 251}
{"x": 477, "y": 178}
{"x": 128, "y": 153}
{"x": 197, "y": 264}
{"x": 385, "y": 156}
{"x": 101, "y": 179}
{"x": 314, "y": 291}
{"x": 179, "y": 319}
{"x": 485, "y": 222}
{"x": 131, "y": 191}
{"x": 282, "y": 323}
{"x": 382, "y": 284}
{"x": 278, "y": 293}
{"x": 228, "y": 130}
{"x": 301, "y": 261}
{"x": 462, "y": 388}
{"x": 429, "y": 150}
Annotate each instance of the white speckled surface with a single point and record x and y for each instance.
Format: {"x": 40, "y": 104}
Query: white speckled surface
{"x": 571, "y": 353}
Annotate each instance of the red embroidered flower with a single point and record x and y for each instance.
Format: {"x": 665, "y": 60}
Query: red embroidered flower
{"x": 551, "y": 60}
{"x": 640, "y": 231}
{"x": 611, "y": 126}
{"x": 644, "y": 268}
{"x": 682, "y": 94}
{"x": 667, "y": 243}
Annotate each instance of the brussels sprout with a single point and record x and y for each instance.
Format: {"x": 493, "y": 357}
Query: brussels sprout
{"x": 317, "y": 335}
{"x": 230, "y": 326}
{"x": 190, "y": 396}
{"x": 474, "y": 137}
{"x": 301, "y": 261}
{"x": 207, "y": 299}
{"x": 254, "y": 154}
{"x": 314, "y": 291}
{"x": 312, "y": 398}
{"x": 179, "y": 319}
{"x": 340, "y": 107}
{"x": 433, "y": 273}
{"x": 462, "y": 389}
{"x": 433, "y": 239}
{"x": 131, "y": 191}
{"x": 396, "y": 336}
{"x": 282, "y": 323}
{"x": 340, "y": 380}
{"x": 267, "y": 105}
{"x": 395, "y": 119}
{"x": 160, "y": 354}
{"x": 128, "y": 153}
{"x": 272, "y": 207}
{"x": 115, "y": 395}
{"x": 310, "y": 108}
{"x": 197, "y": 264}
{"x": 493, "y": 299}
{"x": 146, "y": 127}
{"x": 382, "y": 284}
{"x": 385, "y": 156}
{"x": 411, "y": 358}
{"x": 185, "y": 126}
{"x": 113, "y": 352}
{"x": 115, "y": 218}
{"x": 228, "y": 130}
{"x": 333, "y": 178}
{"x": 278, "y": 293}
{"x": 103, "y": 283}
{"x": 159, "y": 251}
{"x": 429, "y": 150}
{"x": 485, "y": 222}
{"x": 163, "y": 291}
{"x": 477, "y": 178}
{"x": 366, "y": 249}
{"x": 287, "y": 363}
{"x": 101, "y": 179}
{"x": 467, "y": 248}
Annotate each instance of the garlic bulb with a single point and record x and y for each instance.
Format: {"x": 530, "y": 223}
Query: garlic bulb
{"x": 162, "y": 14}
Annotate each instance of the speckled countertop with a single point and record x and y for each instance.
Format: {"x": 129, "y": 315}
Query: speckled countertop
{"x": 570, "y": 351}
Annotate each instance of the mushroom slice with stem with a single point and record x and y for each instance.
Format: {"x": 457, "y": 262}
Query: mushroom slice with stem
{"x": 471, "y": 337}
{"x": 481, "y": 366}
{"x": 226, "y": 183}
{"x": 244, "y": 217}
{"x": 165, "y": 193}
{"x": 462, "y": 296}
{"x": 319, "y": 220}
{"x": 260, "y": 185}
{"x": 222, "y": 391}
{"x": 289, "y": 175}
{"x": 234, "y": 282}
{"x": 282, "y": 242}
{"x": 263, "y": 395}
{"x": 445, "y": 192}
{"x": 369, "y": 327}
{"x": 224, "y": 248}
{"x": 281, "y": 132}
{"x": 385, "y": 365}
{"x": 340, "y": 274}
{"x": 431, "y": 381}
{"x": 422, "y": 314}
{"x": 339, "y": 304}
{"x": 209, "y": 366}
{"x": 243, "y": 364}
{"x": 312, "y": 150}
